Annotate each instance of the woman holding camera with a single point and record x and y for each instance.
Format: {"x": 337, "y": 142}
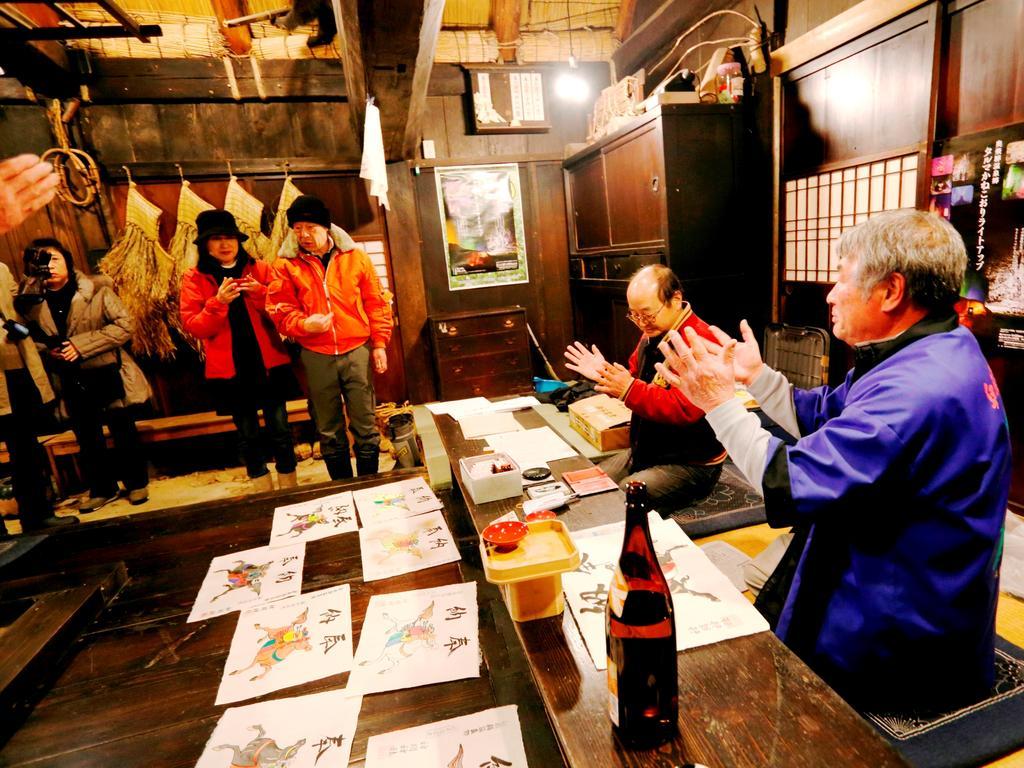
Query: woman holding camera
{"x": 85, "y": 327}
{"x": 223, "y": 304}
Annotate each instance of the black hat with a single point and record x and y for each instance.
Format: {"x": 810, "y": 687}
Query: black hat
{"x": 309, "y": 208}
{"x": 217, "y": 222}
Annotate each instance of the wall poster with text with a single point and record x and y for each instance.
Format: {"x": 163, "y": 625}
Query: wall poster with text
{"x": 481, "y": 210}
{"x": 977, "y": 183}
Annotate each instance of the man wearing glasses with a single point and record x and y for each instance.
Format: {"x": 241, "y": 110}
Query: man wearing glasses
{"x": 671, "y": 446}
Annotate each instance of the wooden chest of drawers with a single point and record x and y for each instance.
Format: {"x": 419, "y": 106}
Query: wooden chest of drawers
{"x": 483, "y": 353}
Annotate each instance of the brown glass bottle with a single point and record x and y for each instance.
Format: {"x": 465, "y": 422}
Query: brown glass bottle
{"x": 640, "y": 632}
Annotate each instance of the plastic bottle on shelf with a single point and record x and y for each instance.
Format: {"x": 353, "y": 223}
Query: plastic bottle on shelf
{"x": 730, "y": 83}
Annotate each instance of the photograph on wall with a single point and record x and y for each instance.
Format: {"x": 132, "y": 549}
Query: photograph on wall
{"x": 977, "y": 183}
{"x": 481, "y": 210}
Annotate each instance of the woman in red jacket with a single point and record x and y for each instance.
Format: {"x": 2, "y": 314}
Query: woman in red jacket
{"x": 222, "y": 304}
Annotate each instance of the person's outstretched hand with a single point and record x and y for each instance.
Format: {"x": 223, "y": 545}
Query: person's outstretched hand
{"x": 701, "y": 369}
{"x": 26, "y": 185}
{"x": 747, "y": 361}
{"x": 588, "y": 363}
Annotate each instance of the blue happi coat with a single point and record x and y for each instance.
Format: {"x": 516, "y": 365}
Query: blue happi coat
{"x": 900, "y": 483}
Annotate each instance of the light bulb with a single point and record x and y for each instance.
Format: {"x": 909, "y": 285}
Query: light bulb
{"x": 571, "y": 87}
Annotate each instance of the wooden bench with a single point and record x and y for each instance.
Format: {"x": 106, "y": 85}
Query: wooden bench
{"x": 161, "y": 430}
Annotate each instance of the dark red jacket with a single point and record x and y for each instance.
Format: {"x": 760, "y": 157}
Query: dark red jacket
{"x": 206, "y": 318}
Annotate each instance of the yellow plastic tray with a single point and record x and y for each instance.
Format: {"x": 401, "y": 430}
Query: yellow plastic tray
{"x": 530, "y": 576}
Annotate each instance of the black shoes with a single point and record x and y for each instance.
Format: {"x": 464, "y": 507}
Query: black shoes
{"x": 48, "y": 522}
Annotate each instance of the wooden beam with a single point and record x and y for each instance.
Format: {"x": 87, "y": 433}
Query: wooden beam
{"x": 350, "y": 43}
{"x": 125, "y": 80}
{"x": 128, "y": 22}
{"x": 624, "y": 26}
{"x": 841, "y": 29}
{"x": 505, "y": 23}
{"x": 657, "y": 31}
{"x": 9, "y": 35}
{"x": 430, "y": 29}
{"x": 216, "y": 169}
{"x": 239, "y": 38}
{"x": 42, "y": 66}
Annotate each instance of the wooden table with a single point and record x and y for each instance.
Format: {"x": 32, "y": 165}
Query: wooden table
{"x": 139, "y": 687}
{"x": 743, "y": 702}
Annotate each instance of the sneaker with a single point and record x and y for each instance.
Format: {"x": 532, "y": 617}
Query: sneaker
{"x": 48, "y": 522}
{"x": 138, "y": 495}
{"x": 94, "y": 503}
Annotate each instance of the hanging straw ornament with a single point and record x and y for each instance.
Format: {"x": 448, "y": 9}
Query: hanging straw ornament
{"x": 289, "y": 192}
{"x": 248, "y": 212}
{"x": 183, "y": 247}
{"x": 141, "y": 272}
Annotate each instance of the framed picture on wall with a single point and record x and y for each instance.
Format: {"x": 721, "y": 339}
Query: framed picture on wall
{"x": 481, "y": 209}
{"x": 508, "y": 100}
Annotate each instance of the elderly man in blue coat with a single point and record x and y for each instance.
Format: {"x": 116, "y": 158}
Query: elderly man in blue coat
{"x": 897, "y": 480}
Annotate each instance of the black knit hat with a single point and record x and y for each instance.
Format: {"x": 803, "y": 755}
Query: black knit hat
{"x": 217, "y": 222}
{"x": 309, "y": 208}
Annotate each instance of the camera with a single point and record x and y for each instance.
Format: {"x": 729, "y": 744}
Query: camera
{"x": 15, "y": 330}
{"x": 37, "y": 263}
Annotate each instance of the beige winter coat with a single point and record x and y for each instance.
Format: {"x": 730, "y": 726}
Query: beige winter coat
{"x": 29, "y": 353}
{"x": 99, "y": 326}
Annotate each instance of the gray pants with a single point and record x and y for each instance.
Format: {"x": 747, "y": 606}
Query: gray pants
{"x": 670, "y": 487}
{"x": 330, "y": 378}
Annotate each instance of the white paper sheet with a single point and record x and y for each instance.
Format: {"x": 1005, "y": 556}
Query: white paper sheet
{"x": 242, "y": 579}
{"x": 394, "y": 500}
{"x": 482, "y": 424}
{"x": 288, "y": 643}
{"x": 456, "y": 408}
{"x": 312, "y": 731}
{"x": 708, "y": 608}
{"x": 402, "y": 546}
{"x": 1011, "y": 574}
{"x": 488, "y": 739}
{"x": 416, "y": 638}
{"x": 513, "y": 404}
{"x": 312, "y": 520}
{"x": 728, "y": 560}
{"x": 532, "y": 447}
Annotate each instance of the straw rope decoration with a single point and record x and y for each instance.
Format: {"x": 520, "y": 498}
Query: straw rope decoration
{"x": 141, "y": 271}
{"x": 183, "y": 249}
{"x": 280, "y": 231}
{"x": 248, "y": 212}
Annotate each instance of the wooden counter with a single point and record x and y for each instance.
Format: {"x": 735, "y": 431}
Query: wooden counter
{"x": 743, "y": 702}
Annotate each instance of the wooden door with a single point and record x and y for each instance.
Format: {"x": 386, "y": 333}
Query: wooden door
{"x": 635, "y": 180}
{"x": 589, "y": 209}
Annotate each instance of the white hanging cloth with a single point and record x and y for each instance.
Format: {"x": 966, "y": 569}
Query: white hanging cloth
{"x": 374, "y": 167}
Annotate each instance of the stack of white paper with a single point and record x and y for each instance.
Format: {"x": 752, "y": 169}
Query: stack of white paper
{"x": 532, "y": 447}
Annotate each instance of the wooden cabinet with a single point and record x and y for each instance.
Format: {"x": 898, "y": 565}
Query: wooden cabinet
{"x": 481, "y": 353}
{"x": 674, "y": 188}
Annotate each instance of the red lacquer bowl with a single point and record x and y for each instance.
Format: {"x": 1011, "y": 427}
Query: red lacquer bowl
{"x": 504, "y": 536}
{"x": 541, "y": 514}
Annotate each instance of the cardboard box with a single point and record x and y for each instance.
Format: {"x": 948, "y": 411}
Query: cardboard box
{"x": 602, "y": 420}
{"x": 484, "y": 485}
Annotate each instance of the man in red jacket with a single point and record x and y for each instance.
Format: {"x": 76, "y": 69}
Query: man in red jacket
{"x": 327, "y": 297}
{"x": 671, "y": 446}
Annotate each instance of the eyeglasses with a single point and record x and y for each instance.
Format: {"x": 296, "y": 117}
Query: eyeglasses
{"x": 644, "y": 318}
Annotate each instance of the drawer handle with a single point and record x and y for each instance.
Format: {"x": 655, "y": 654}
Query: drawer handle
{"x": 509, "y": 323}
{"x": 477, "y": 390}
{"x": 510, "y": 342}
{"x": 655, "y": 182}
{"x": 453, "y": 330}
{"x": 455, "y": 348}
{"x": 457, "y": 371}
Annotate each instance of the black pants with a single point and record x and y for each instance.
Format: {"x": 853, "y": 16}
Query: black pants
{"x": 30, "y": 475}
{"x": 247, "y": 421}
{"x": 101, "y": 467}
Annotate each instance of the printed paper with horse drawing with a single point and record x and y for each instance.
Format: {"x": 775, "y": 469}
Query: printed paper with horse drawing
{"x": 244, "y": 579}
{"x": 288, "y": 643}
{"x": 395, "y": 500}
{"x": 395, "y": 547}
{"x": 312, "y": 731}
{"x": 312, "y": 520}
{"x": 416, "y": 638}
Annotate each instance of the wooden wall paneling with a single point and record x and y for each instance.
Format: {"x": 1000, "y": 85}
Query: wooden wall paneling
{"x": 268, "y": 130}
{"x": 556, "y": 328}
{"x": 106, "y": 134}
{"x": 147, "y": 140}
{"x": 405, "y": 242}
{"x": 435, "y": 126}
{"x": 460, "y": 143}
{"x": 24, "y": 128}
{"x": 984, "y": 85}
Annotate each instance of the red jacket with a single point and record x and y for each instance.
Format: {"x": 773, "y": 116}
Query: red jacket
{"x": 666, "y": 427}
{"x": 349, "y": 289}
{"x": 206, "y": 318}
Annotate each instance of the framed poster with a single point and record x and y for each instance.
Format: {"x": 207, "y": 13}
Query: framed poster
{"x": 481, "y": 210}
{"x": 977, "y": 183}
{"x": 508, "y": 100}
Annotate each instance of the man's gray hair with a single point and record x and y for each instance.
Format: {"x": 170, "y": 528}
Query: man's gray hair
{"x": 921, "y": 246}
